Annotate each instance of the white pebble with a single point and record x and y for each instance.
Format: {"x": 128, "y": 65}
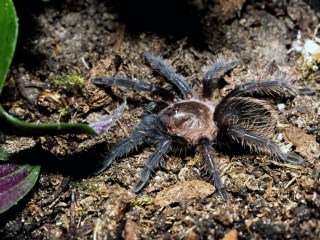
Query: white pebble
{"x": 281, "y": 106}
{"x": 315, "y": 68}
{"x": 157, "y": 178}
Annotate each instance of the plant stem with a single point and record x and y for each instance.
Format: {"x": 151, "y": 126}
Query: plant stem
{"x": 12, "y": 126}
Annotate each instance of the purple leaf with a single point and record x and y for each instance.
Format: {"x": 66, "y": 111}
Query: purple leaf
{"x": 103, "y": 125}
{"x": 15, "y": 182}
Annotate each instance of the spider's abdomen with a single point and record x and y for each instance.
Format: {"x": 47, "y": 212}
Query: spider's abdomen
{"x": 190, "y": 119}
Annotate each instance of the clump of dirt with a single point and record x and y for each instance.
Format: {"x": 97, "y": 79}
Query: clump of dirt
{"x": 84, "y": 39}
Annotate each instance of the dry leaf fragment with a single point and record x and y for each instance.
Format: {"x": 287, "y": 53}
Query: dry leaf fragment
{"x": 231, "y": 235}
{"x": 306, "y": 145}
{"x": 184, "y": 190}
{"x": 131, "y": 230}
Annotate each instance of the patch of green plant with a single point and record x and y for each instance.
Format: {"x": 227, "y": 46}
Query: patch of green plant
{"x": 84, "y": 186}
{"x": 8, "y": 37}
{"x": 63, "y": 112}
{"x": 142, "y": 201}
{"x": 15, "y": 182}
{"x": 67, "y": 80}
{"x": 4, "y": 156}
{"x": 305, "y": 68}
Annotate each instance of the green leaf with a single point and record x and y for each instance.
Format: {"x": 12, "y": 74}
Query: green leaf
{"x": 4, "y": 156}
{"x": 8, "y": 37}
{"x": 15, "y": 182}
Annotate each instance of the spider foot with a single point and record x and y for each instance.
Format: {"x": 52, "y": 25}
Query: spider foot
{"x": 294, "y": 159}
{"x": 139, "y": 186}
{"x": 106, "y": 163}
{"x": 149, "y": 167}
{"x": 223, "y": 193}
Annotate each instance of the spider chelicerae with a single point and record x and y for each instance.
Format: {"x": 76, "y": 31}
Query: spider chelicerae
{"x": 182, "y": 119}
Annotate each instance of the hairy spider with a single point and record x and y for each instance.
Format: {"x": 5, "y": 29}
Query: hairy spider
{"x": 182, "y": 119}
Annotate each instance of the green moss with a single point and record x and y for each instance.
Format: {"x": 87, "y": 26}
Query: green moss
{"x": 64, "y": 112}
{"x": 84, "y": 186}
{"x": 305, "y": 68}
{"x": 142, "y": 201}
{"x": 67, "y": 80}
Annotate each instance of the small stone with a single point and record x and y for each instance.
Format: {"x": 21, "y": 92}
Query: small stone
{"x": 281, "y": 107}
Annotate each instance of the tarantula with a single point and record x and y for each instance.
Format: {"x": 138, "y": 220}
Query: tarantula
{"x": 183, "y": 119}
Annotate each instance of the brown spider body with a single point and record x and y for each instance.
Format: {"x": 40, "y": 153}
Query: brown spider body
{"x": 182, "y": 119}
{"x": 190, "y": 119}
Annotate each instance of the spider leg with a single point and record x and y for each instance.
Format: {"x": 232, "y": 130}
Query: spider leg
{"x": 136, "y": 85}
{"x": 263, "y": 145}
{"x": 173, "y": 78}
{"x": 135, "y": 139}
{"x": 154, "y": 107}
{"x": 266, "y": 88}
{"x": 213, "y": 75}
{"x": 162, "y": 148}
{"x": 206, "y": 151}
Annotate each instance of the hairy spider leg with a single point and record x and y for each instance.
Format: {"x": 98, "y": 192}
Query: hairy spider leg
{"x": 211, "y": 78}
{"x": 266, "y": 88}
{"x": 158, "y": 65}
{"x": 136, "y": 85}
{"x": 262, "y": 145}
{"x": 124, "y": 146}
{"x": 162, "y": 148}
{"x": 206, "y": 151}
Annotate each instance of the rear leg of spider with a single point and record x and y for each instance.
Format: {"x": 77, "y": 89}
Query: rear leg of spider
{"x": 123, "y": 147}
{"x": 281, "y": 87}
{"x": 263, "y": 145}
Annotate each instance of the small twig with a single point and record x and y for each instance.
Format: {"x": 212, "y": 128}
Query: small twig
{"x": 315, "y": 32}
{"x": 118, "y": 43}
{"x": 86, "y": 65}
{"x": 290, "y": 182}
{"x": 72, "y": 212}
{"x": 96, "y": 229}
{"x": 289, "y": 165}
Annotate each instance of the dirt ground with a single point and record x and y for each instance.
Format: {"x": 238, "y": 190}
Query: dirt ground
{"x": 66, "y": 42}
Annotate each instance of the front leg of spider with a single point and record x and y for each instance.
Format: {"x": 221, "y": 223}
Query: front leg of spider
{"x": 213, "y": 76}
{"x": 163, "y": 147}
{"x": 212, "y": 168}
{"x": 124, "y": 146}
{"x": 136, "y": 85}
{"x": 169, "y": 75}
